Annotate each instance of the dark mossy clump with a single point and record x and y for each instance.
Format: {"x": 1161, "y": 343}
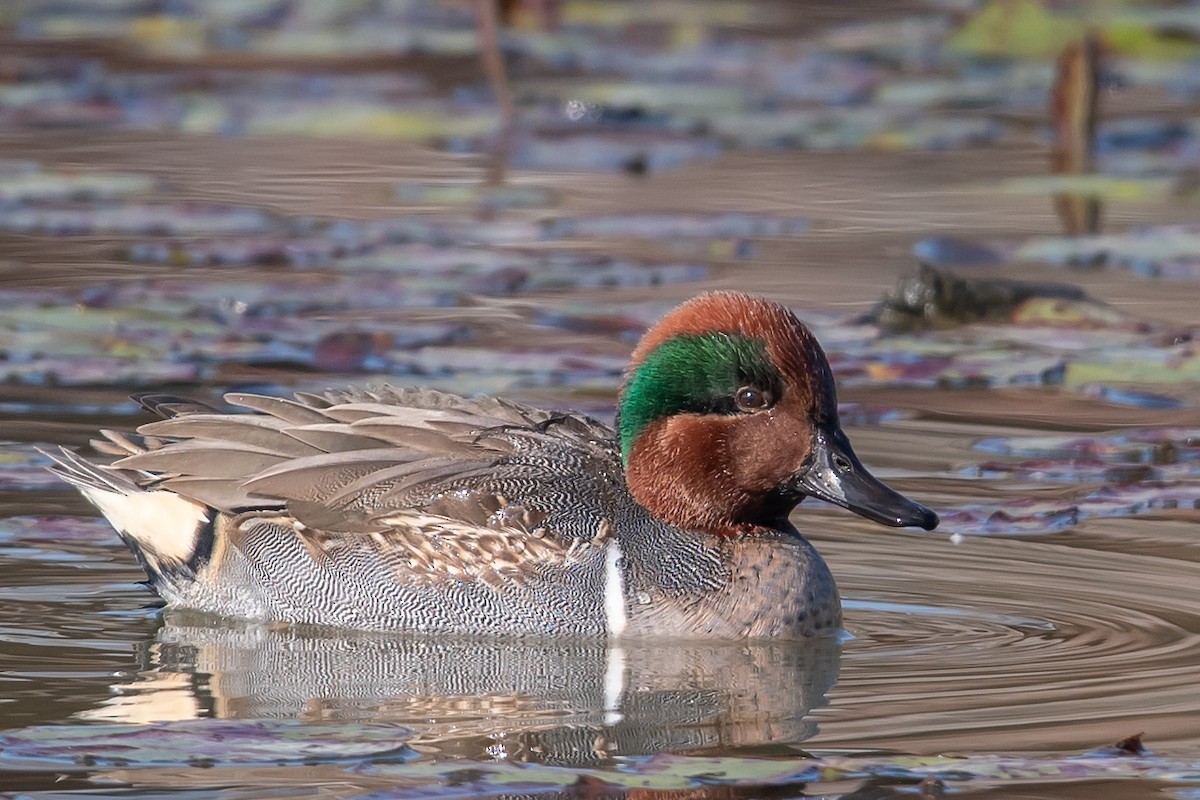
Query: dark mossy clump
{"x": 935, "y": 298}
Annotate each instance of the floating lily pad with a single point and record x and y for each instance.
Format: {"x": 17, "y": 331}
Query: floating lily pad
{"x": 1015, "y": 28}
{"x": 1149, "y": 250}
{"x": 1132, "y": 397}
{"x": 925, "y": 133}
{"x": 561, "y": 367}
{"x": 691, "y": 90}
{"x": 1168, "y": 251}
{"x": 674, "y": 226}
{"x": 91, "y": 371}
{"x": 60, "y": 540}
{"x": 1101, "y": 186}
{"x": 499, "y": 272}
{"x": 1070, "y": 470}
{"x": 688, "y": 773}
{"x": 1142, "y": 133}
{"x": 1030, "y": 29}
{"x": 376, "y": 122}
{"x": 678, "y": 96}
{"x": 134, "y": 219}
{"x": 37, "y": 186}
{"x": 1066, "y": 312}
{"x": 180, "y": 330}
{"x": 1141, "y": 471}
{"x": 238, "y": 252}
{"x": 950, "y": 251}
{"x": 618, "y": 15}
{"x": 1170, "y": 365}
{"x": 54, "y": 530}
{"x": 474, "y": 194}
{"x": 1023, "y": 516}
{"x": 23, "y": 467}
{"x": 628, "y": 153}
{"x": 371, "y": 40}
{"x": 1144, "y": 446}
{"x": 11, "y": 168}
{"x": 202, "y": 742}
{"x": 851, "y": 86}
{"x": 1159, "y": 456}
{"x": 1021, "y": 87}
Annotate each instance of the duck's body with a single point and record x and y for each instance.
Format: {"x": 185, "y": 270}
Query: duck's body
{"x": 421, "y": 511}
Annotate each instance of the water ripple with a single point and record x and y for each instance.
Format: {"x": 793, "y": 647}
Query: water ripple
{"x": 1022, "y": 644}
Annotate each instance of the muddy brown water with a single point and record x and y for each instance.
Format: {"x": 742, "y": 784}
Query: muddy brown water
{"x": 1039, "y": 645}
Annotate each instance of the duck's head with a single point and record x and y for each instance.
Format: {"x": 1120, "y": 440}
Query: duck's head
{"x": 728, "y": 419}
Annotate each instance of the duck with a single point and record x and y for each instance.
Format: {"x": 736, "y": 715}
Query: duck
{"x": 415, "y": 510}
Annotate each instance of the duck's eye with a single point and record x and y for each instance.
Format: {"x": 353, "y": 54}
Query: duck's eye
{"x": 750, "y": 398}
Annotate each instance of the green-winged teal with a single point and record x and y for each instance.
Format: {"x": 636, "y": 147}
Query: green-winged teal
{"x": 415, "y": 510}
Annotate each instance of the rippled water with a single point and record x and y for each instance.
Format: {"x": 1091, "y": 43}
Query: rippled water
{"x": 990, "y": 645}
{"x": 1041, "y": 645}
{"x": 1048, "y": 644}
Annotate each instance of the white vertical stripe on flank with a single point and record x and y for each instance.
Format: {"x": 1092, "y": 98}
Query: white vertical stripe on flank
{"x": 614, "y": 590}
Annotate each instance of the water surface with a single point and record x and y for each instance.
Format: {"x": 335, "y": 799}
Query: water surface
{"x": 1056, "y": 611}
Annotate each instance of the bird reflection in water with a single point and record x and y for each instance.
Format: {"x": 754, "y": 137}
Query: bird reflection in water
{"x": 550, "y": 701}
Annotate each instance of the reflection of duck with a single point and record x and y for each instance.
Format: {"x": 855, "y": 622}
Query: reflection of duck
{"x": 550, "y": 700}
{"x": 416, "y": 510}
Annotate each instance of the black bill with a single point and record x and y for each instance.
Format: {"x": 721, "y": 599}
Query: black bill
{"x": 836, "y": 475}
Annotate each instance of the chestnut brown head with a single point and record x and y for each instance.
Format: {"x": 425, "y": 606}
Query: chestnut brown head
{"x": 728, "y": 418}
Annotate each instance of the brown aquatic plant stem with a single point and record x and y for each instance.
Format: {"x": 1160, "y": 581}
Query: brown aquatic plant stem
{"x": 497, "y": 74}
{"x": 1073, "y": 108}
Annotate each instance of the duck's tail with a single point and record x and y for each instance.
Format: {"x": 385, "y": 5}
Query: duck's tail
{"x": 168, "y": 533}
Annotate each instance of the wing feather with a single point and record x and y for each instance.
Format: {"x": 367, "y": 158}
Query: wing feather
{"x": 358, "y": 462}
{"x": 334, "y": 437}
{"x": 292, "y": 411}
{"x": 266, "y": 433}
{"x": 317, "y": 478}
{"x": 204, "y": 459}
